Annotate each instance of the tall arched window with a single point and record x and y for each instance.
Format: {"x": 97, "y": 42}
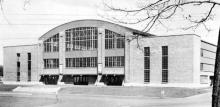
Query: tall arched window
{"x": 52, "y": 44}
{"x": 82, "y": 38}
{"x": 113, "y": 40}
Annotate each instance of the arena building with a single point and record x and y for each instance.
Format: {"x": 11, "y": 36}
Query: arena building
{"x": 95, "y": 52}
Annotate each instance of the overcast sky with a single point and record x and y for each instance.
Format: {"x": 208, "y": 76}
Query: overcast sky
{"x": 20, "y": 25}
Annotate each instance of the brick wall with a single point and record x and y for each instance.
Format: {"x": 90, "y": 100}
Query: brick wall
{"x": 10, "y": 62}
{"x": 182, "y": 59}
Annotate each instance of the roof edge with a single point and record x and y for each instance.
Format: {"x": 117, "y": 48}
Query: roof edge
{"x": 134, "y": 31}
{"x": 209, "y": 43}
{"x": 19, "y": 45}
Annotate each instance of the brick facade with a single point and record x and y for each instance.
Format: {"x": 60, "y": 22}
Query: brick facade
{"x": 184, "y": 53}
{"x": 10, "y": 62}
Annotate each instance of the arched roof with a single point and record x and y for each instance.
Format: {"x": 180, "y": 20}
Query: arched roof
{"x": 91, "y": 23}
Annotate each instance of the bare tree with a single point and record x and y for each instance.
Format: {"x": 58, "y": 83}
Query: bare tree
{"x": 156, "y": 11}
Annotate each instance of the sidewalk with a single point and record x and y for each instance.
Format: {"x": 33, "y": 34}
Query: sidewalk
{"x": 38, "y": 89}
{"x": 202, "y": 100}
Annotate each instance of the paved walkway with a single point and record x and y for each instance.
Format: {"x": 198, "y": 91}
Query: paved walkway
{"x": 37, "y": 89}
{"x": 203, "y": 100}
{"x": 23, "y": 99}
{"x": 90, "y": 96}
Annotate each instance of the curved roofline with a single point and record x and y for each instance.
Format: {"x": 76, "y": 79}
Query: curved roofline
{"x": 19, "y": 45}
{"x": 135, "y": 31}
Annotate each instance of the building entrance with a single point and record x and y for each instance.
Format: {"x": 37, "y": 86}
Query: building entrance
{"x": 79, "y": 79}
{"x": 49, "y": 79}
{"x": 115, "y": 80}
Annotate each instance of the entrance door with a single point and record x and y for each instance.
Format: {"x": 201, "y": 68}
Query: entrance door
{"x": 115, "y": 80}
{"x": 81, "y": 80}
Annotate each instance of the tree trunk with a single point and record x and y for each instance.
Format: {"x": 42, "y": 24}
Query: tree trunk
{"x": 216, "y": 84}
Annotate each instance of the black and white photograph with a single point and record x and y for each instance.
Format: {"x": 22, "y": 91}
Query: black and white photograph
{"x": 109, "y": 53}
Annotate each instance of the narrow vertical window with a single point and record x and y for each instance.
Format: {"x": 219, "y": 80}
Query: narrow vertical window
{"x": 18, "y": 67}
{"x": 18, "y": 70}
{"x": 146, "y": 64}
{"x": 164, "y": 64}
{"x": 29, "y": 66}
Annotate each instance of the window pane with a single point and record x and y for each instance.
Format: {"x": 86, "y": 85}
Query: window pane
{"x": 82, "y": 62}
{"x": 113, "y": 40}
{"x": 84, "y": 38}
{"x": 51, "y": 63}
{"x": 164, "y": 75}
{"x": 114, "y": 61}
{"x": 146, "y": 62}
{"x": 29, "y": 56}
{"x": 146, "y": 51}
{"x": 165, "y": 62}
{"x": 164, "y": 50}
{"x": 146, "y": 75}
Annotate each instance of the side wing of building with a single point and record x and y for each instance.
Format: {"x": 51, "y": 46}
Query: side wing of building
{"x": 207, "y": 63}
{"x": 164, "y": 59}
{"x": 21, "y": 63}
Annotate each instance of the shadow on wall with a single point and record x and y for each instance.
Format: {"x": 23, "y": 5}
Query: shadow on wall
{"x": 1, "y": 70}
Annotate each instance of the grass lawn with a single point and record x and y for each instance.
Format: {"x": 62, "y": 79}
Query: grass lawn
{"x": 134, "y": 91}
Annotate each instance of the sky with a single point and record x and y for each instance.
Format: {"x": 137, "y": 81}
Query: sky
{"x": 23, "y": 24}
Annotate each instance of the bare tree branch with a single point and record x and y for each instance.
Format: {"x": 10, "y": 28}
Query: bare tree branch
{"x": 207, "y": 16}
{"x": 1, "y": 2}
{"x": 3, "y": 13}
{"x": 164, "y": 10}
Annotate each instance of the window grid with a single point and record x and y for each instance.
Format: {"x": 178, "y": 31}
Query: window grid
{"x": 82, "y": 38}
{"x": 52, "y": 44}
{"x": 113, "y": 40}
{"x": 81, "y": 62}
{"x": 51, "y": 63}
{"x": 114, "y": 61}
{"x": 164, "y": 64}
{"x": 146, "y": 64}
